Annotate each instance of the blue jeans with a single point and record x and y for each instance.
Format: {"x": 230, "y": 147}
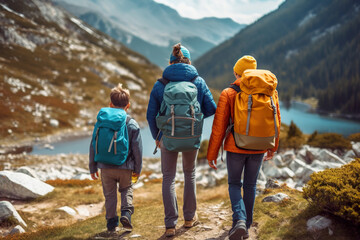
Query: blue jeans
{"x": 243, "y": 207}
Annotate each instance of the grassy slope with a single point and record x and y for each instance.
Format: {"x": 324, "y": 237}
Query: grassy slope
{"x": 286, "y": 220}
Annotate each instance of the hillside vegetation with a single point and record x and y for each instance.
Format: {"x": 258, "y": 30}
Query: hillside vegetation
{"x": 56, "y": 72}
{"x": 311, "y": 46}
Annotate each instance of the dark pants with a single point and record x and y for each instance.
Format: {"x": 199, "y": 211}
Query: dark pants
{"x": 250, "y": 164}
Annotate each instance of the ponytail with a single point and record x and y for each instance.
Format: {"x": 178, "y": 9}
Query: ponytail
{"x": 178, "y": 55}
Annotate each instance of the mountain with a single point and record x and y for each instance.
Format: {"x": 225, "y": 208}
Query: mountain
{"x": 152, "y": 28}
{"x": 56, "y": 71}
{"x": 312, "y": 47}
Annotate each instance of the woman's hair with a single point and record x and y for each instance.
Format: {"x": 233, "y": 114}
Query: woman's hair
{"x": 179, "y": 55}
{"x": 119, "y": 96}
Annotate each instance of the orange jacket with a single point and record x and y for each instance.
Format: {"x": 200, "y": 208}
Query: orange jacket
{"x": 225, "y": 110}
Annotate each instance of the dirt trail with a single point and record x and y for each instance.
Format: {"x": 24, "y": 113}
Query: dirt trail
{"x": 215, "y": 228}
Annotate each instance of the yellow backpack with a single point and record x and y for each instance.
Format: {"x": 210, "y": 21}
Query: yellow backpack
{"x": 256, "y": 124}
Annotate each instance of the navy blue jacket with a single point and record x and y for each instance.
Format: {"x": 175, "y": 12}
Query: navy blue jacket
{"x": 176, "y": 73}
{"x": 133, "y": 161}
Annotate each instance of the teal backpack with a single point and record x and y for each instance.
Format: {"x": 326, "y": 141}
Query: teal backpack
{"x": 110, "y": 137}
{"x": 180, "y": 118}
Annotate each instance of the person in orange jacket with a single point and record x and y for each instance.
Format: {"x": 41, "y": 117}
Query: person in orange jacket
{"x": 237, "y": 160}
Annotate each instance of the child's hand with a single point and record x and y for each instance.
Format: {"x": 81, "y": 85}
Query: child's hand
{"x": 95, "y": 176}
{"x": 134, "y": 174}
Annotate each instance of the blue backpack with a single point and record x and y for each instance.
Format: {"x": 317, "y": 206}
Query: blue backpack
{"x": 180, "y": 118}
{"x": 110, "y": 137}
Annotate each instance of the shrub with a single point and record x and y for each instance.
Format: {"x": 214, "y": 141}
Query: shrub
{"x": 354, "y": 137}
{"x": 203, "y": 150}
{"x": 337, "y": 191}
{"x": 329, "y": 140}
{"x": 294, "y": 137}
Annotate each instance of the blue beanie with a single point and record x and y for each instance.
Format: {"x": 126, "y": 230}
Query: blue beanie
{"x": 184, "y": 51}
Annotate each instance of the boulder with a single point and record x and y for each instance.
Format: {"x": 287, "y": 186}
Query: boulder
{"x": 324, "y": 165}
{"x": 318, "y": 223}
{"x": 278, "y": 161}
{"x": 27, "y": 171}
{"x": 288, "y": 157}
{"x": 296, "y": 164}
{"x": 7, "y": 210}
{"x": 16, "y": 230}
{"x": 68, "y": 210}
{"x": 271, "y": 183}
{"x": 356, "y": 149}
{"x": 349, "y": 156}
{"x": 17, "y": 185}
{"x": 327, "y": 156}
{"x": 276, "y": 198}
{"x": 287, "y": 173}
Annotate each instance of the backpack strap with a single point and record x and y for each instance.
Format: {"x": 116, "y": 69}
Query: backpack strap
{"x": 164, "y": 81}
{"x": 235, "y": 87}
{"x": 231, "y": 124}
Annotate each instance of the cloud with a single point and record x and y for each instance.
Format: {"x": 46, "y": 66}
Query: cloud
{"x": 241, "y": 11}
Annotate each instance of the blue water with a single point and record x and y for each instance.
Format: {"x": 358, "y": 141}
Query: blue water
{"x": 298, "y": 113}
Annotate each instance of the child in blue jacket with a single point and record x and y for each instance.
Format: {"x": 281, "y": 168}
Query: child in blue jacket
{"x": 118, "y": 177}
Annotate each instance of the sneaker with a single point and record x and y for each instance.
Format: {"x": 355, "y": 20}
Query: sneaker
{"x": 126, "y": 220}
{"x": 238, "y": 230}
{"x": 170, "y": 232}
{"x": 193, "y": 222}
{"x": 246, "y": 235}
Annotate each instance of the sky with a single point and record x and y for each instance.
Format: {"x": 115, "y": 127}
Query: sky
{"x": 241, "y": 11}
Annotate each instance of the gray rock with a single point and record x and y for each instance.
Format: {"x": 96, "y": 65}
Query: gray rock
{"x": 7, "y": 210}
{"x": 16, "y": 230}
{"x": 68, "y": 210}
{"x": 271, "y": 170}
{"x": 288, "y": 157}
{"x": 318, "y": 223}
{"x": 27, "y": 171}
{"x": 327, "y": 156}
{"x": 21, "y": 186}
{"x": 287, "y": 173}
{"x": 356, "y": 149}
{"x": 296, "y": 164}
{"x": 278, "y": 161}
{"x": 349, "y": 156}
{"x": 276, "y": 198}
{"x": 324, "y": 165}
{"x": 271, "y": 183}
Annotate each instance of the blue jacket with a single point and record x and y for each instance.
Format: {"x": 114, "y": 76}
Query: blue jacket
{"x": 179, "y": 72}
{"x": 133, "y": 161}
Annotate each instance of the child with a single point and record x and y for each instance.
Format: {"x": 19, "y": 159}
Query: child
{"x": 117, "y": 173}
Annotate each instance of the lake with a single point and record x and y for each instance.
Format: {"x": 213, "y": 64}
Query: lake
{"x": 298, "y": 113}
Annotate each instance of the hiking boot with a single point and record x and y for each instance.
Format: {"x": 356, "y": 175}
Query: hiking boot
{"x": 192, "y": 222}
{"x": 238, "y": 231}
{"x": 170, "y": 232}
{"x": 126, "y": 220}
{"x": 112, "y": 223}
{"x": 246, "y": 235}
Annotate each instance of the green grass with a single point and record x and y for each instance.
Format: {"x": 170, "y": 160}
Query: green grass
{"x": 288, "y": 219}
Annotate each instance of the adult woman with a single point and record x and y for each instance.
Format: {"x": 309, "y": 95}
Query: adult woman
{"x": 180, "y": 69}
{"x": 238, "y": 160}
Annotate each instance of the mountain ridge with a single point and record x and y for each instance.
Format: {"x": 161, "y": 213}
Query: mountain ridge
{"x": 154, "y": 33}
{"x": 311, "y": 47}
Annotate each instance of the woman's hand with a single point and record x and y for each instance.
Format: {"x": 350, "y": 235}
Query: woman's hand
{"x": 269, "y": 155}
{"x": 212, "y": 164}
